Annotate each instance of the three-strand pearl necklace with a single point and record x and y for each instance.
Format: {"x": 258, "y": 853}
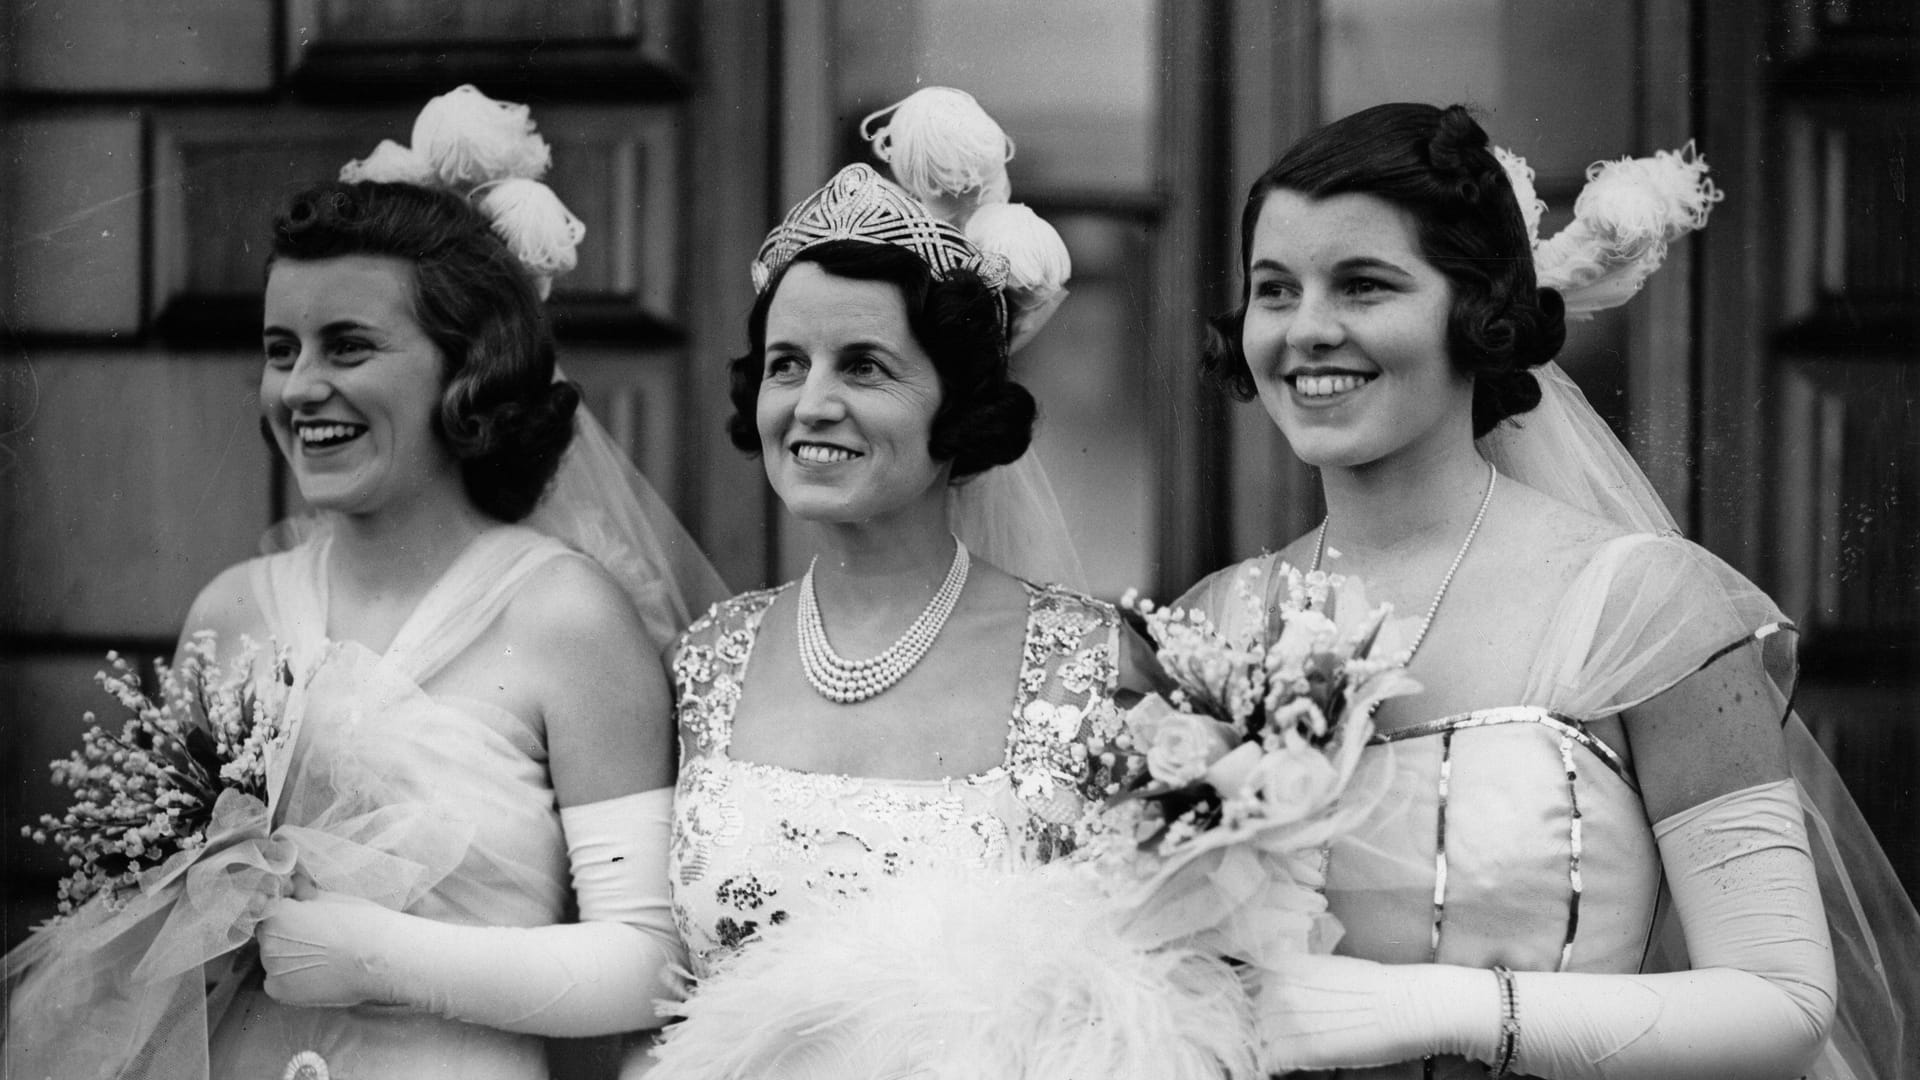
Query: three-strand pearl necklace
{"x": 848, "y": 681}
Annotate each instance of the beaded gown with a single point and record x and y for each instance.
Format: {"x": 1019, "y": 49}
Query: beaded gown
{"x": 755, "y": 844}
{"x": 1514, "y": 836}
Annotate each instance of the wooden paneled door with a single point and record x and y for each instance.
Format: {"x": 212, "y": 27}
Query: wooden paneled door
{"x": 1810, "y": 439}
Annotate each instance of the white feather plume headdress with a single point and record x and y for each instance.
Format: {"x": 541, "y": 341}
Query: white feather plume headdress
{"x": 1624, "y": 218}
{"x": 488, "y": 152}
{"x": 947, "y": 203}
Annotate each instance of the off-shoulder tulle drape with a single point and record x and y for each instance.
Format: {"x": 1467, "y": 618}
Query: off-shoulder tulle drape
{"x": 1645, "y": 613}
{"x": 460, "y": 767}
{"x": 438, "y": 806}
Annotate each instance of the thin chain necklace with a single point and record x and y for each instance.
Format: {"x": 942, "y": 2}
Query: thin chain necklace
{"x": 848, "y": 681}
{"x": 1320, "y": 549}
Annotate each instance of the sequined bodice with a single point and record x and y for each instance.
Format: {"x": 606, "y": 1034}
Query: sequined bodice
{"x": 756, "y": 844}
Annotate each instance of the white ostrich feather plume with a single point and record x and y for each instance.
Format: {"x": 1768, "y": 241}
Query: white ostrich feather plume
{"x": 963, "y": 975}
{"x": 470, "y": 138}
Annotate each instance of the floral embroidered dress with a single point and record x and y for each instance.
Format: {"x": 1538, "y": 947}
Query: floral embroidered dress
{"x": 1512, "y": 835}
{"x": 755, "y": 844}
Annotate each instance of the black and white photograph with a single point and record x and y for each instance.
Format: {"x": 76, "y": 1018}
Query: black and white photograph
{"x": 959, "y": 539}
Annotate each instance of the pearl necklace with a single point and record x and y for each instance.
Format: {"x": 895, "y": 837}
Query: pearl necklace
{"x": 1320, "y": 548}
{"x": 848, "y": 681}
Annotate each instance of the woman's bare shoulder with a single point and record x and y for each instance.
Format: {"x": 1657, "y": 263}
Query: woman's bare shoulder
{"x": 994, "y": 591}
{"x": 572, "y": 604}
{"x": 575, "y": 652}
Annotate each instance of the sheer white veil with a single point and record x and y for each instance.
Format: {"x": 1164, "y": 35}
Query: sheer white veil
{"x": 600, "y": 505}
{"x": 1563, "y": 448}
{"x": 1010, "y": 517}
{"x": 1624, "y": 218}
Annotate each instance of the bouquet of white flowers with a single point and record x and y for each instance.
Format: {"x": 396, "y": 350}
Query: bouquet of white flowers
{"x": 1131, "y": 957}
{"x": 147, "y": 793}
{"x": 178, "y": 848}
{"x": 1232, "y": 781}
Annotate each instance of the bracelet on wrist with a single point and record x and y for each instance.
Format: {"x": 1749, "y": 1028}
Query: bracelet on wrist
{"x": 1509, "y": 1044}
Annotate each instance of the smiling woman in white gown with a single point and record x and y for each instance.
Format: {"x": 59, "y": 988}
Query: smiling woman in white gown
{"x": 488, "y": 676}
{"x": 1607, "y": 842}
{"x": 470, "y": 818}
{"x": 909, "y": 705}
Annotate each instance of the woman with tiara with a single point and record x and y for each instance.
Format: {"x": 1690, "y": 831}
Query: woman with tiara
{"x": 1609, "y": 849}
{"x": 917, "y": 702}
{"x": 479, "y": 735}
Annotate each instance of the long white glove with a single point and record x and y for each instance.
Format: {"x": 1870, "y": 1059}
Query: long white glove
{"x": 595, "y": 977}
{"x": 1757, "y": 1003}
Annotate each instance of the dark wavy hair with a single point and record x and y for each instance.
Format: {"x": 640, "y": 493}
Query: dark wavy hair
{"x": 1437, "y": 165}
{"x": 985, "y": 418}
{"x": 501, "y": 412}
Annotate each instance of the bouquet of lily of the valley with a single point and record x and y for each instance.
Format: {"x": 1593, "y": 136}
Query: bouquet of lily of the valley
{"x": 188, "y": 822}
{"x": 1231, "y": 782}
{"x": 147, "y": 792}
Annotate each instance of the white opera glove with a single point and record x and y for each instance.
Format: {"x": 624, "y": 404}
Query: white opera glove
{"x": 1326, "y": 1012}
{"x": 1757, "y": 1003}
{"x": 598, "y": 976}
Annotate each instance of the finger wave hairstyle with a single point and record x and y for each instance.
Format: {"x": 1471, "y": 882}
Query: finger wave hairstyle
{"x": 501, "y": 413}
{"x": 1438, "y": 165}
{"x": 985, "y": 418}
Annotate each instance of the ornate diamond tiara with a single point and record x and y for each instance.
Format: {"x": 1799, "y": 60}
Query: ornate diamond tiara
{"x": 859, "y": 204}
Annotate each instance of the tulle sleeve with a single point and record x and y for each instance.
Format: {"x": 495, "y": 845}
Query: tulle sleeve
{"x": 1009, "y": 517}
{"x": 1648, "y": 612}
{"x": 601, "y": 505}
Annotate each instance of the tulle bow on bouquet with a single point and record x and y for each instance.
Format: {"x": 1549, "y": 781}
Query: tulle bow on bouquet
{"x": 172, "y": 864}
{"x": 177, "y": 853}
{"x": 1231, "y": 782}
{"x": 154, "y": 790}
